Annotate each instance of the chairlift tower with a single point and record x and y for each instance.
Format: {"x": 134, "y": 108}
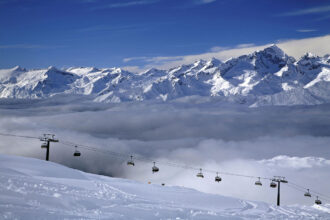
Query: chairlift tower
{"x": 279, "y": 180}
{"x": 47, "y": 138}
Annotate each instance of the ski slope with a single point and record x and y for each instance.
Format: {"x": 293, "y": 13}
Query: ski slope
{"x": 36, "y": 189}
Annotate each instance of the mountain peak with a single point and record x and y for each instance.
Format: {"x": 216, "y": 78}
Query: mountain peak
{"x": 92, "y": 69}
{"x": 214, "y": 61}
{"x": 18, "y": 68}
{"x": 309, "y": 55}
{"x": 51, "y": 71}
{"x": 275, "y": 51}
{"x": 51, "y": 68}
{"x": 275, "y": 47}
{"x": 153, "y": 69}
{"x": 150, "y": 72}
{"x": 199, "y": 62}
{"x": 275, "y": 55}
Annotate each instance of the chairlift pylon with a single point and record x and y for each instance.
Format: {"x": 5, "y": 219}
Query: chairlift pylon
{"x": 76, "y": 152}
{"x": 130, "y": 162}
{"x": 217, "y": 178}
{"x": 154, "y": 168}
{"x": 200, "y": 174}
{"x": 258, "y": 182}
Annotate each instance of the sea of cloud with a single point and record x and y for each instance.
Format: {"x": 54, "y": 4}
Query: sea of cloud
{"x": 287, "y": 141}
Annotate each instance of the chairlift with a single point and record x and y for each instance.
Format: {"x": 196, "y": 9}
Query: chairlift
{"x": 258, "y": 182}
{"x": 273, "y": 184}
{"x": 76, "y": 152}
{"x": 44, "y": 145}
{"x": 130, "y": 162}
{"x": 317, "y": 201}
{"x": 154, "y": 168}
{"x": 307, "y": 194}
{"x": 200, "y": 174}
{"x": 217, "y": 178}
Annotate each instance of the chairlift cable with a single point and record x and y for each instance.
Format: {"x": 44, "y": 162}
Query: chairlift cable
{"x": 310, "y": 190}
{"x": 21, "y": 136}
{"x": 172, "y": 164}
{"x": 298, "y": 189}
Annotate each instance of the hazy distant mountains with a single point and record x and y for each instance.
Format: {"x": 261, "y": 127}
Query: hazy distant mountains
{"x": 267, "y": 77}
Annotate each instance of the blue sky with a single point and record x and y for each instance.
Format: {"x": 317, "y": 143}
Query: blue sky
{"x": 62, "y": 33}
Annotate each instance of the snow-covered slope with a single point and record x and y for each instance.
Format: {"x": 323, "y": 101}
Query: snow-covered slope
{"x": 35, "y": 189}
{"x": 266, "y": 77}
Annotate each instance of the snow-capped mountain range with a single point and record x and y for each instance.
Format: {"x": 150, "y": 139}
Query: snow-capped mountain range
{"x": 266, "y": 77}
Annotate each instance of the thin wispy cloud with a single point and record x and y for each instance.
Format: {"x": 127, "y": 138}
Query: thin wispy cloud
{"x": 193, "y": 3}
{"x": 159, "y": 60}
{"x": 306, "y": 30}
{"x": 326, "y": 17}
{"x": 307, "y": 11}
{"x": 112, "y": 28}
{"x": 88, "y": 1}
{"x": 126, "y": 4}
{"x": 128, "y": 59}
{"x": 293, "y": 47}
{"x": 163, "y": 60}
{"x": 245, "y": 45}
{"x": 201, "y": 2}
{"x": 29, "y": 46}
{"x": 217, "y": 48}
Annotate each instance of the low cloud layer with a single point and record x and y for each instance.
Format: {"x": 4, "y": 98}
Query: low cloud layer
{"x": 292, "y": 142}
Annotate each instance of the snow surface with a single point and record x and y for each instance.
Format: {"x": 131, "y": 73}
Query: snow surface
{"x": 36, "y": 189}
{"x": 267, "y": 77}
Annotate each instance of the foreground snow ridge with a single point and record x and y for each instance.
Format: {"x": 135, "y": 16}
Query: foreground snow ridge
{"x": 36, "y": 189}
{"x": 266, "y": 77}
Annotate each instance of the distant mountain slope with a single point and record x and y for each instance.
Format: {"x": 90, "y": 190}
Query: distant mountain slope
{"x": 267, "y": 77}
{"x": 36, "y": 189}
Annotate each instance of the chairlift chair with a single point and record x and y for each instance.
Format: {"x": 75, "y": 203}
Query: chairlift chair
{"x": 317, "y": 201}
{"x": 273, "y": 184}
{"x": 154, "y": 168}
{"x": 307, "y": 194}
{"x": 200, "y": 174}
{"x": 217, "y": 178}
{"x": 258, "y": 182}
{"x": 44, "y": 145}
{"x": 76, "y": 152}
{"x": 130, "y": 162}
